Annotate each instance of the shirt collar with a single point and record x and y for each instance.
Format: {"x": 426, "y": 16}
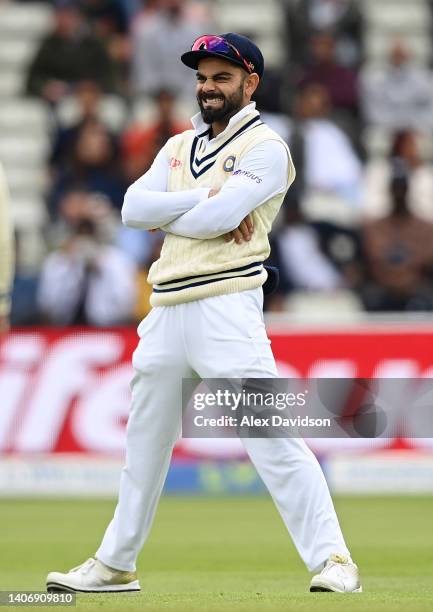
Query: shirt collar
{"x": 200, "y": 126}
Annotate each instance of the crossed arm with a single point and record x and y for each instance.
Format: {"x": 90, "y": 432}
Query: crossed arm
{"x": 205, "y": 213}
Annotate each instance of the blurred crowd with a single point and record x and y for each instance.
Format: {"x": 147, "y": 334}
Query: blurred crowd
{"x": 352, "y": 222}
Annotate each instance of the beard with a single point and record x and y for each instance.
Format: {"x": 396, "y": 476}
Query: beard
{"x": 230, "y": 106}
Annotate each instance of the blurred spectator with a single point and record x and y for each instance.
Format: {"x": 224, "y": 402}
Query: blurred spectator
{"x": 326, "y": 163}
{"x": 342, "y": 17}
{"x": 303, "y": 264}
{"x": 339, "y": 81}
{"x": 110, "y": 22}
{"x": 159, "y": 37}
{"x": 67, "y": 55}
{"x": 377, "y": 198}
{"x": 86, "y": 99}
{"x": 269, "y": 92}
{"x": 24, "y": 307}
{"x": 342, "y": 247}
{"x": 271, "y": 97}
{"x": 400, "y": 95}
{"x": 140, "y": 144}
{"x": 86, "y": 280}
{"x": 88, "y": 96}
{"x": 91, "y": 163}
{"x": 319, "y": 256}
{"x": 6, "y": 253}
{"x": 87, "y": 104}
{"x": 399, "y": 251}
{"x": 106, "y": 16}
{"x": 76, "y": 205}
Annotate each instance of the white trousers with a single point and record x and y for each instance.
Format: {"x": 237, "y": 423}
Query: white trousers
{"x": 221, "y": 336}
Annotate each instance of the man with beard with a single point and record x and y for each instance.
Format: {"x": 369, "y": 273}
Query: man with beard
{"x": 215, "y": 191}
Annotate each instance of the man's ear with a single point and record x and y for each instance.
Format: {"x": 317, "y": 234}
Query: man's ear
{"x": 251, "y": 83}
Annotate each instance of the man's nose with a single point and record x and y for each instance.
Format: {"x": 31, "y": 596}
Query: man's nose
{"x": 208, "y": 86}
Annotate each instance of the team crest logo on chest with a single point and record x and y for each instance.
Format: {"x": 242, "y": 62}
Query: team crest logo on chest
{"x": 229, "y": 163}
{"x": 203, "y": 159}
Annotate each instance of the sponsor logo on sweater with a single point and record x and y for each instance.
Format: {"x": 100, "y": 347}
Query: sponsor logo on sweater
{"x": 248, "y": 174}
{"x": 175, "y": 163}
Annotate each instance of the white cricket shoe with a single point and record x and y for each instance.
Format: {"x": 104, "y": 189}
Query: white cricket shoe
{"x": 93, "y": 576}
{"x": 339, "y": 575}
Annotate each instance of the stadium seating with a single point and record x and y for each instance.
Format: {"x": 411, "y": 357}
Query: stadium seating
{"x": 320, "y": 306}
{"x": 24, "y": 125}
{"x": 29, "y": 20}
{"x": 113, "y": 112}
{"x": 144, "y": 110}
{"x": 386, "y": 21}
{"x": 264, "y": 21}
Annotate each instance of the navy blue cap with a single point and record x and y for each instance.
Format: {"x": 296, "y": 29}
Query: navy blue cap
{"x": 249, "y": 51}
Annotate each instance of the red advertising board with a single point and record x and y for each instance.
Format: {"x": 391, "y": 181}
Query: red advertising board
{"x": 67, "y": 390}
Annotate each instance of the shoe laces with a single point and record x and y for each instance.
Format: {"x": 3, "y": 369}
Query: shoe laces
{"x": 335, "y": 560}
{"x": 85, "y": 567}
{"x": 338, "y": 558}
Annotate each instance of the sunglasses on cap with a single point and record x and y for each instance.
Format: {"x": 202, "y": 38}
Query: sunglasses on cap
{"x": 217, "y": 44}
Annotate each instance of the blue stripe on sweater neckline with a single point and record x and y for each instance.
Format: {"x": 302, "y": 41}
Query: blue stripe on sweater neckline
{"x": 213, "y": 154}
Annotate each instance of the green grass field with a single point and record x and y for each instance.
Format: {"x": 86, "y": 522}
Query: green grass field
{"x": 226, "y": 554}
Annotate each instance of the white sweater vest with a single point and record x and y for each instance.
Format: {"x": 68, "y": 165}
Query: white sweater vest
{"x": 190, "y": 269}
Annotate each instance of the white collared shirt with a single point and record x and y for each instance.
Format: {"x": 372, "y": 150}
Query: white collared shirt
{"x": 200, "y": 126}
{"x": 191, "y": 213}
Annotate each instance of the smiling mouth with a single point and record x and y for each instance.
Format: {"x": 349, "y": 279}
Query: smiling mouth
{"x": 213, "y": 101}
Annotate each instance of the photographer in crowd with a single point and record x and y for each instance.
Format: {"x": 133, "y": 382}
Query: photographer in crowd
{"x": 87, "y": 280}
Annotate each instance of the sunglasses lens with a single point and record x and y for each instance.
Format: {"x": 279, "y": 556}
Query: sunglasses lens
{"x": 219, "y": 45}
{"x": 211, "y": 43}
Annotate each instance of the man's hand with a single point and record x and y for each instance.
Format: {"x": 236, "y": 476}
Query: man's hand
{"x": 243, "y": 232}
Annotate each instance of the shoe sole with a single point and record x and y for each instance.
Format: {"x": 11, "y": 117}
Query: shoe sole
{"x": 324, "y": 589}
{"x": 54, "y": 587}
